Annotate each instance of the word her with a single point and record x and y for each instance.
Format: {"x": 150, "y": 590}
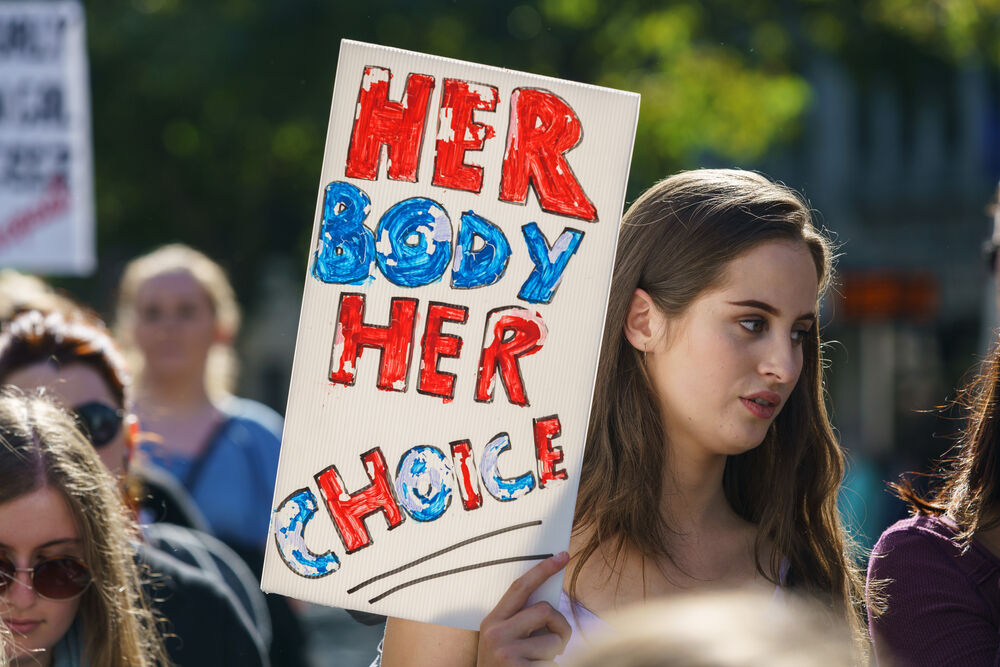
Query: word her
{"x": 511, "y": 333}
{"x": 542, "y": 128}
{"x": 426, "y": 481}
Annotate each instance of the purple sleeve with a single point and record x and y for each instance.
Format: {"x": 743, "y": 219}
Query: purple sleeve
{"x": 934, "y": 613}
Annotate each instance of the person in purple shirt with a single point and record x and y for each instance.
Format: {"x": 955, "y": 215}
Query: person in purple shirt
{"x": 934, "y": 579}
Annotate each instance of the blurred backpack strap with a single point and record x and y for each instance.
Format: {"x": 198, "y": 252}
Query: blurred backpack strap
{"x": 197, "y": 467}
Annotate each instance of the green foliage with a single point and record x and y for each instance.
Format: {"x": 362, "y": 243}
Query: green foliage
{"x": 210, "y": 118}
{"x": 961, "y": 29}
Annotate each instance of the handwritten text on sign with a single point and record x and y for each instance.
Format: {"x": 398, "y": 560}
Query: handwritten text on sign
{"x": 462, "y": 242}
{"x": 46, "y": 180}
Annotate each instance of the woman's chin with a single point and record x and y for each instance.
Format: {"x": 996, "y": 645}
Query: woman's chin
{"x": 168, "y": 368}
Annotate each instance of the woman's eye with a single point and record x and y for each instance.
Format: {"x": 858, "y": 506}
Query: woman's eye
{"x": 798, "y": 335}
{"x": 187, "y": 311}
{"x": 753, "y": 325}
{"x": 151, "y": 314}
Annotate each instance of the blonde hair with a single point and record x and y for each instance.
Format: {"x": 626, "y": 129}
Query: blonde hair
{"x": 6, "y": 643}
{"x": 722, "y": 629}
{"x": 222, "y": 367}
{"x": 21, "y": 292}
{"x": 41, "y": 447}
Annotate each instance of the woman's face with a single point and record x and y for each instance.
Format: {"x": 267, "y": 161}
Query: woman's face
{"x": 724, "y": 369}
{"x": 175, "y": 325}
{"x": 34, "y": 527}
{"x": 75, "y": 385}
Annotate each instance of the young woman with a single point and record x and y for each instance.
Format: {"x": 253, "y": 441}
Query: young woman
{"x": 177, "y": 317}
{"x": 69, "y": 587}
{"x": 933, "y": 578}
{"x": 74, "y": 360}
{"x": 709, "y": 401}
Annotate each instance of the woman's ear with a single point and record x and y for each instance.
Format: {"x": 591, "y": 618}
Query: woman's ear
{"x": 644, "y": 323}
{"x": 222, "y": 335}
{"x": 131, "y": 426}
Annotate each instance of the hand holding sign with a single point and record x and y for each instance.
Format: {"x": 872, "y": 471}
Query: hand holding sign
{"x": 512, "y": 634}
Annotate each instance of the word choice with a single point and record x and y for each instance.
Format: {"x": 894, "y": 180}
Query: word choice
{"x": 426, "y": 481}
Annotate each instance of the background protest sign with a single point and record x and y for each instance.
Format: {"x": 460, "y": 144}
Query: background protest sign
{"x": 46, "y": 172}
{"x": 451, "y": 323}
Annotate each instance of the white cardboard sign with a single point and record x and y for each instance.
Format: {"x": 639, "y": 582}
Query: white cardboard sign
{"x": 46, "y": 173}
{"x": 451, "y": 321}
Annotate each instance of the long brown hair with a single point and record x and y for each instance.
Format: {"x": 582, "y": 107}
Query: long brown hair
{"x": 675, "y": 243}
{"x": 966, "y": 487}
{"x": 40, "y": 447}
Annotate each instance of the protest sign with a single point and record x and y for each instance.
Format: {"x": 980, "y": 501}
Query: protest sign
{"x": 46, "y": 173}
{"x": 451, "y": 322}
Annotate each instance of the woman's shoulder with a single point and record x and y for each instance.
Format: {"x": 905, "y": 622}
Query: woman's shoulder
{"x": 917, "y": 543}
{"x": 916, "y": 532}
{"x": 257, "y": 418}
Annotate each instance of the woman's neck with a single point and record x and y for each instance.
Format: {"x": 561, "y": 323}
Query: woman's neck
{"x": 692, "y": 499}
{"x": 173, "y": 394}
{"x": 37, "y": 659}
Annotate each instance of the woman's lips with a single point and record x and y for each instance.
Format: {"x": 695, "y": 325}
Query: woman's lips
{"x": 763, "y": 404}
{"x": 21, "y": 626}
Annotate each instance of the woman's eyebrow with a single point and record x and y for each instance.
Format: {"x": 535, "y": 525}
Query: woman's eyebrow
{"x": 50, "y": 543}
{"x": 59, "y": 542}
{"x": 768, "y": 308}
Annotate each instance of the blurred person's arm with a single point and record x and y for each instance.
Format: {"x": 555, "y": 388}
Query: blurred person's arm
{"x": 413, "y": 644}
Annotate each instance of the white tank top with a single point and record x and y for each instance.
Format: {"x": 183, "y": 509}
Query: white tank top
{"x": 586, "y": 624}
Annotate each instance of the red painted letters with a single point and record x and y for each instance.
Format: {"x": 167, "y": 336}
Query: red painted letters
{"x": 542, "y": 128}
{"x": 546, "y": 430}
{"x": 511, "y": 333}
{"x": 349, "y": 511}
{"x": 398, "y": 125}
{"x": 436, "y": 345}
{"x": 465, "y": 470}
{"x": 458, "y": 133}
{"x": 394, "y": 340}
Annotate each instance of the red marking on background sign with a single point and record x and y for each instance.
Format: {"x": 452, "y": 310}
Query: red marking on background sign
{"x": 468, "y": 480}
{"x": 53, "y": 203}
{"x": 511, "y": 333}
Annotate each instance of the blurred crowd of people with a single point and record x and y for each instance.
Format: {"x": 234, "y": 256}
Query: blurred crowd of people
{"x": 136, "y": 488}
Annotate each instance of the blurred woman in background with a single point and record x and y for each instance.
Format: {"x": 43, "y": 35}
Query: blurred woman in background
{"x": 177, "y": 319}
{"x": 69, "y": 586}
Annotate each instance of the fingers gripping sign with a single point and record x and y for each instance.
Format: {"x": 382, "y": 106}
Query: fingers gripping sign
{"x": 513, "y": 634}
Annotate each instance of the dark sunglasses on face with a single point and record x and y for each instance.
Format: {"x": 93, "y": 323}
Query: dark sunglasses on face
{"x": 58, "y": 578}
{"x": 100, "y": 421}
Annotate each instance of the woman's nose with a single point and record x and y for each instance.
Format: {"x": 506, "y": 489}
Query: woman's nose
{"x": 782, "y": 362}
{"x": 20, "y": 593}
